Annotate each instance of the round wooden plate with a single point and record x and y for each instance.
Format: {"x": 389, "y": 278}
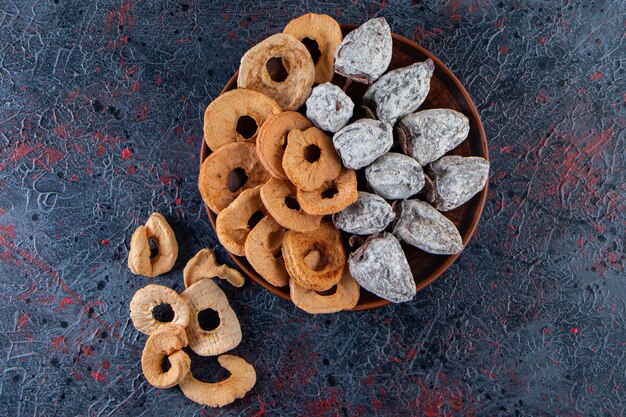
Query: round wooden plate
{"x": 446, "y": 91}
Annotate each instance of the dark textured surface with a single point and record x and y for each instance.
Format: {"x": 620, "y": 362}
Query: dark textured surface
{"x": 100, "y": 124}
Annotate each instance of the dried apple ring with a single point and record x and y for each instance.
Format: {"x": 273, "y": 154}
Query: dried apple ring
{"x": 290, "y": 92}
{"x": 236, "y": 116}
{"x": 333, "y": 196}
{"x": 218, "y": 394}
{"x": 310, "y": 159}
{"x": 272, "y": 139}
{"x": 167, "y": 341}
{"x": 235, "y": 221}
{"x": 154, "y": 306}
{"x": 205, "y": 299}
{"x": 263, "y": 250}
{"x": 204, "y": 266}
{"x": 321, "y": 35}
{"x": 159, "y": 231}
{"x": 229, "y": 171}
{"x": 279, "y": 198}
{"x": 345, "y": 296}
{"x": 315, "y": 260}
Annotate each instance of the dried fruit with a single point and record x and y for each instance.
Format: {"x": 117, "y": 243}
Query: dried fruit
{"x": 235, "y": 116}
{"x": 427, "y": 135}
{"x": 345, "y": 297}
{"x": 455, "y": 179}
{"x": 310, "y": 159}
{"x": 365, "y": 53}
{"x": 381, "y": 267}
{"x": 315, "y": 260}
{"x": 291, "y": 92}
{"x": 264, "y": 251}
{"x": 235, "y": 222}
{"x": 154, "y": 306}
{"x": 218, "y": 394}
{"x": 332, "y": 197}
{"x": 323, "y": 32}
{"x": 202, "y": 297}
{"x": 395, "y": 176}
{"x": 369, "y": 214}
{"x": 279, "y": 198}
{"x": 204, "y": 266}
{"x": 422, "y": 226}
{"x": 159, "y": 231}
{"x": 166, "y": 342}
{"x": 272, "y": 140}
{"x": 362, "y": 142}
{"x": 329, "y": 108}
{"x": 229, "y": 171}
{"x": 401, "y": 91}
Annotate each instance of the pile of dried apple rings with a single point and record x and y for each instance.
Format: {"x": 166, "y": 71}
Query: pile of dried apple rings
{"x": 175, "y": 321}
{"x": 284, "y": 186}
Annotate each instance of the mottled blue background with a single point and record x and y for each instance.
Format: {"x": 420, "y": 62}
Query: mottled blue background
{"x": 101, "y": 124}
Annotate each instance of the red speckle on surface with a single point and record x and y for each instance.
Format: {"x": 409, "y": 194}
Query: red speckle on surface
{"x": 7, "y": 230}
{"x": 322, "y": 407}
{"x": 431, "y": 401}
{"x": 263, "y": 404}
{"x": 225, "y": 15}
{"x": 165, "y": 180}
{"x": 21, "y": 151}
{"x": 135, "y": 87}
{"x": 596, "y": 76}
{"x": 105, "y": 242}
{"x": 57, "y": 341}
{"x": 87, "y": 350}
{"x": 53, "y": 156}
{"x": 131, "y": 170}
{"x": 573, "y": 330}
{"x": 543, "y": 98}
{"x": 542, "y": 40}
{"x": 454, "y": 8}
{"x": 61, "y": 130}
{"x": 179, "y": 131}
{"x": 422, "y": 34}
{"x": 503, "y": 49}
{"x": 506, "y": 149}
{"x": 232, "y": 34}
{"x": 126, "y": 153}
{"x": 100, "y": 150}
{"x": 500, "y": 22}
{"x": 377, "y": 404}
{"x": 66, "y": 302}
{"x": 125, "y": 16}
{"x": 141, "y": 112}
{"x": 370, "y": 379}
{"x": 179, "y": 201}
{"x": 158, "y": 80}
{"x": 110, "y": 21}
{"x": 99, "y": 377}
{"x": 106, "y": 364}
{"x": 24, "y": 318}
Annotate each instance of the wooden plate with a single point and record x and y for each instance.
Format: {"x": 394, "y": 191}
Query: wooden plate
{"x": 446, "y": 91}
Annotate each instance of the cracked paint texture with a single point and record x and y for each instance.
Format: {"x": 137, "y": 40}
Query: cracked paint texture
{"x": 101, "y": 123}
